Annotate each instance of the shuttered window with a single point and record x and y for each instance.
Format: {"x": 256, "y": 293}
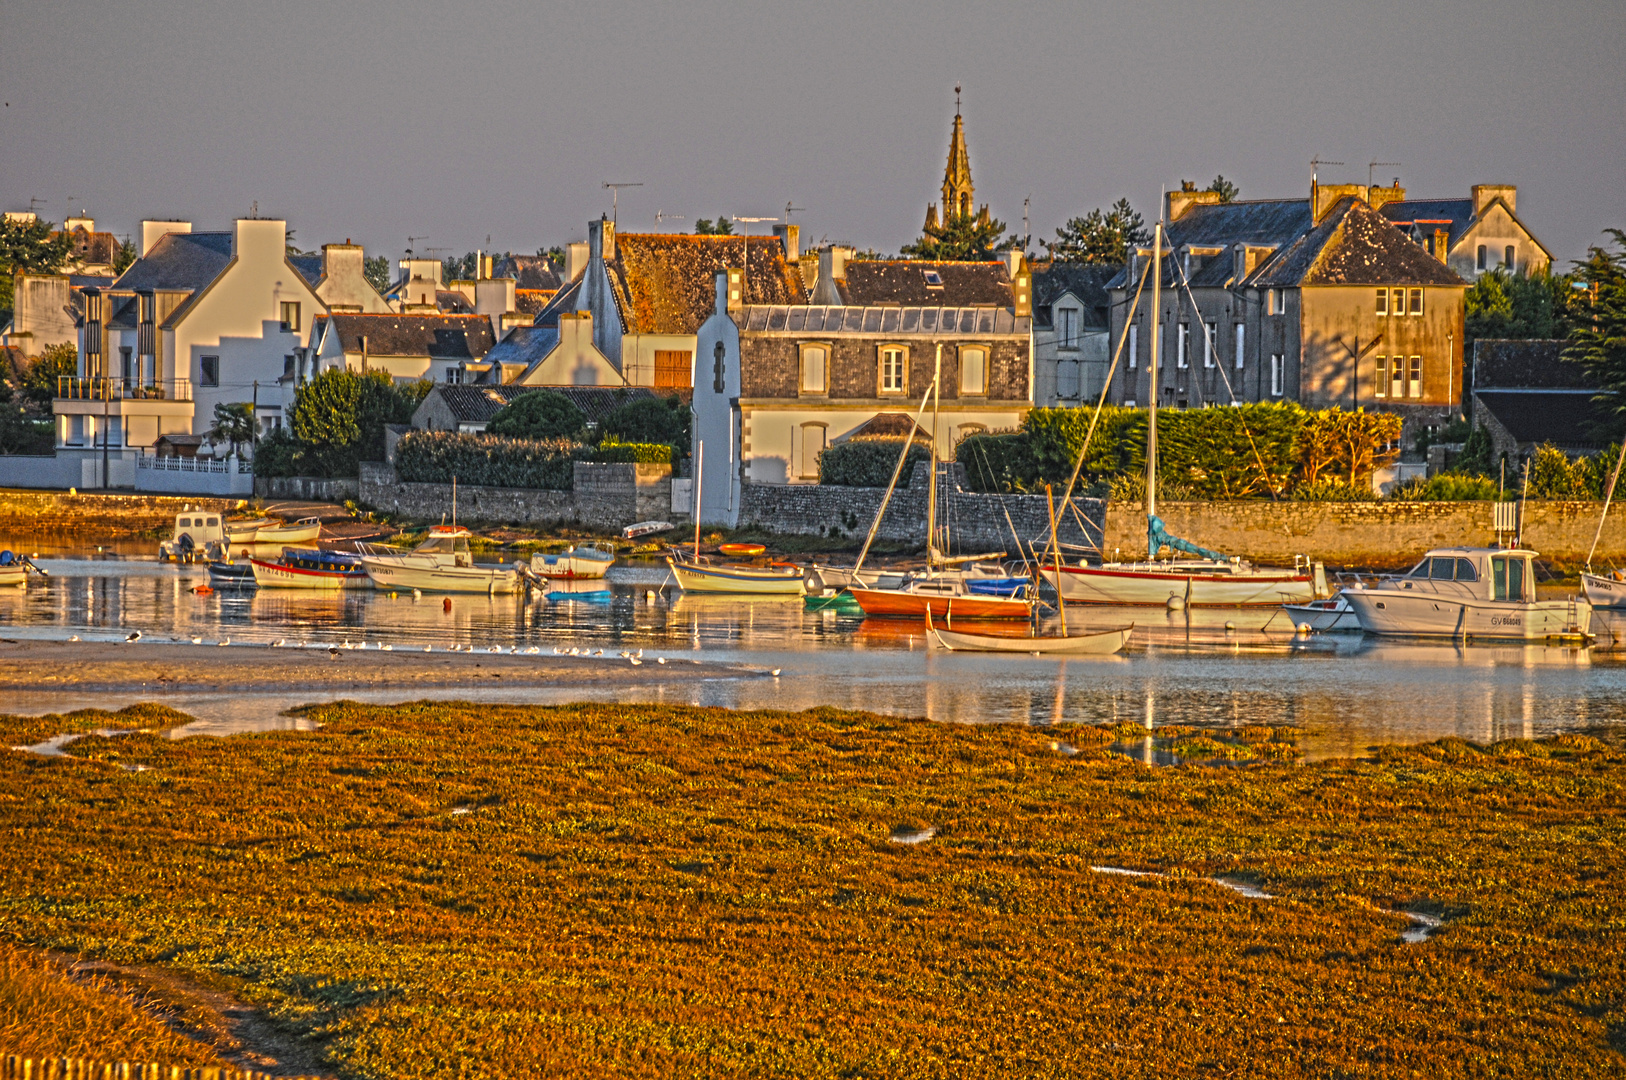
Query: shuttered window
{"x": 673, "y": 367}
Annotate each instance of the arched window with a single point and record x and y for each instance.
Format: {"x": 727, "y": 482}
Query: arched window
{"x": 813, "y": 443}
{"x": 973, "y": 370}
{"x": 815, "y": 369}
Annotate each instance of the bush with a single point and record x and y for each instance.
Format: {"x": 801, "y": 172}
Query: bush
{"x": 434, "y": 457}
{"x": 40, "y": 380}
{"x": 279, "y": 454}
{"x": 1475, "y": 459}
{"x": 610, "y": 450}
{"x": 1554, "y": 476}
{"x": 21, "y": 433}
{"x": 998, "y": 462}
{"x": 538, "y": 414}
{"x": 649, "y": 420}
{"x": 1334, "y": 490}
{"x": 867, "y": 462}
{"x": 1446, "y": 487}
{"x": 339, "y": 418}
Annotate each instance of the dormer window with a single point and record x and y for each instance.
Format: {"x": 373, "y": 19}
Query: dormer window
{"x": 934, "y": 280}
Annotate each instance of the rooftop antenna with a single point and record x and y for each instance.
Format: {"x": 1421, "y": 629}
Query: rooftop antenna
{"x": 254, "y": 209}
{"x": 1370, "y": 165}
{"x": 1315, "y": 169}
{"x": 662, "y": 215}
{"x": 789, "y": 210}
{"x": 754, "y": 220}
{"x": 33, "y": 201}
{"x": 412, "y": 240}
{"x": 615, "y": 197}
{"x": 1027, "y": 231}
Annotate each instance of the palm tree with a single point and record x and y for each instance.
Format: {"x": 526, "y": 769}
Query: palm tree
{"x": 234, "y": 423}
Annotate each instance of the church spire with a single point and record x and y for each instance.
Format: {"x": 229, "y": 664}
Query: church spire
{"x": 958, "y": 193}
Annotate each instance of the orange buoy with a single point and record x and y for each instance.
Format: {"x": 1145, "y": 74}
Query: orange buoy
{"x": 447, "y": 604}
{"x": 202, "y": 590}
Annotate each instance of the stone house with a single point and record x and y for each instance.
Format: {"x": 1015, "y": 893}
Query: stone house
{"x": 1071, "y": 348}
{"x": 1320, "y": 301}
{"x": 1526, "y": 393}
{"x": 785, "y": 381}
{"x": 407, "y": 347}
{"x": 1472, "y": 235}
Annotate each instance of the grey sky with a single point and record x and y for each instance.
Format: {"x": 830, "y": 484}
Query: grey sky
{"x": 490, "y": 117}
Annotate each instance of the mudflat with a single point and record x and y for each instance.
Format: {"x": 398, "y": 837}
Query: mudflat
{"x": 127, "y": 666}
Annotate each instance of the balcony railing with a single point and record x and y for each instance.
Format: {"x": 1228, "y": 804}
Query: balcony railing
{"x": 72, "y": 388}
{"x": 226, "y": 465}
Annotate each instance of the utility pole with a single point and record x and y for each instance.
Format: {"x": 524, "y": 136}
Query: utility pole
{"x": 615, "y": 197}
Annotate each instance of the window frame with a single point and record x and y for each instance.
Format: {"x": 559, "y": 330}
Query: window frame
{"x": 803, "y": 349}
{"x": 1067, "y": 329}
{"x": 987, "y": 363}
{"x": 1510, "y": 259}
{"x": 801, "y": 456}
{"x": 204, "y": 378}
{"x": 1381, "y": 367}
{"x": 1415, "y": 303}
{"x": 881, "y": 351}
{"x": 1383, "y": 302}
{"x": 1241, "y": 344}
{"x": 1414, "y": 379}
{"x": 290, "y": 326}
{"x": 1133, "y": 347}
{"x": 1210, "y": 334}
{"x": 1397, "y": 378}
{"x": 1182, "y": 345}
{"x": 1479, "y": 258}
{"x": 1278, "y": 374}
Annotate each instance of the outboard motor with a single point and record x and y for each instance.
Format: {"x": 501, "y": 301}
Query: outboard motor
{"x": 7, "y": 558}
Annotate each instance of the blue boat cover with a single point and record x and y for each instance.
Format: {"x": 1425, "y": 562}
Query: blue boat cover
{"x": 1159, "y": 537}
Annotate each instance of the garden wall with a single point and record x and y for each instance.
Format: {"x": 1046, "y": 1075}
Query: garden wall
{"x": 605, "y": 497}
{"x": 111, "y": 517}
{"x": 307, "y": 488}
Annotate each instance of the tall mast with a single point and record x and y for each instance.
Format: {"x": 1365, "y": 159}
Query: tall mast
{"x": 1151, "y": 411}
{"x": 931, "y": 492}
{"x": 699, "y": 471}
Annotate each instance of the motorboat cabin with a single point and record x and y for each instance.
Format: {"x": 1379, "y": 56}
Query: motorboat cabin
{"x": 1467, "y": 592}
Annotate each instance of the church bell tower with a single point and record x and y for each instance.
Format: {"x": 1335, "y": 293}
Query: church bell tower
{"x": 959, "y": 197}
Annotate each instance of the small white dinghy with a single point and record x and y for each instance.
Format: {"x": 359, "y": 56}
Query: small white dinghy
{"x": 1331, "y": 616}
{"x": 1096, "y": 642}
{"x": 578, "y": 561}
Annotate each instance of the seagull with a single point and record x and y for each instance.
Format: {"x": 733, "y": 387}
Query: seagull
{"x": 135, "y": 635}
{"x": 224, "y": 641}
{"x": 387, "y": 648}
{"x": 532, "y": 651}
{"x": 279, "y": 643}
{"x": 417, "y": 594}
{"x": 75, "y": 637}
{"x": 197, "y": 641}
{"x": 774, "y": 673}
{"x": 599, "y": 653}
{"x": 660, "y": 659}
{"x": 496, "y": 648}
{"x": 333, "y": 652}
{"x": 557, "y": 651}
{"x": 426, "y": 648}
{"x": 634, "y": 660}
{"x": 346, "y": 644}
{"x": 640, "y": 654}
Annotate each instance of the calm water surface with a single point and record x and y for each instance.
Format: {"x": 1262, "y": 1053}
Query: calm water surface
{"x": 1181, "y": 668}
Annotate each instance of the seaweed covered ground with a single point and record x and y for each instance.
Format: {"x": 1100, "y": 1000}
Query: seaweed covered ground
{"x": 444, "y": 890}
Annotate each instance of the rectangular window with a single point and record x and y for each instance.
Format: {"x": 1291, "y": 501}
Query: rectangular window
{"x": 454, "y": 376}
{"x": 1208, "y": 344}
{"x": 1067, "y": 328}
{"x": 815, "y": 364}
{"x": 1417, "y": 301}
{"x": 1182, "y": 347}
{"x": 1507, "y": 258}
{"x": 1415, "y": 389}
{"x": 1277, "y": 362}
{"x": 1134, "y": 347}
{"x": 1507, "y": 578}
{"x": 813, "y": 436}
{"x": 1383, "y": 301}
{"x": 1270, "y": 301}
{"x": 1399, "y": 305}
{"x": 973, "y": 371}
{"x": 1381, "y": 367}
{"x": 892, "y": 370}
{"x": 288, "y": 366}
{"x": 127, "y": 366}
{"x": 209, "y": 371}
{"x": 1479, "y": 258}
{"x": 1397, "y": 378}
{"x": 290, "y": 316}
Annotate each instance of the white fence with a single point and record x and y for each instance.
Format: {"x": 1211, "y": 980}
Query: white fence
{"x": 231, "y": 475}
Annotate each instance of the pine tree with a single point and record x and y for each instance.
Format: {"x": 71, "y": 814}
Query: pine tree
{"x": 1598, "y": 322}
{"x": 27, "y": 247}
{"x": 1226, "y": 190}
{"x": 1100, "y": 238}
{"x": 960, "y": 239}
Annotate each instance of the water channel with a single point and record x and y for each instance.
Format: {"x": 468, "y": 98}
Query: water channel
{"x": 1346, "y": 691}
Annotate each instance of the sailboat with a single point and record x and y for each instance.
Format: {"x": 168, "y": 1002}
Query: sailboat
{"x": 933, "y": 593}
{"x": 1605, "y": 591}
{"x": 1208, "y": 579}
{"x": 697, "y": 574}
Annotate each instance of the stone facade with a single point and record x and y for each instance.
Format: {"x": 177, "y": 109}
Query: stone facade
{"x": 307, "y": 488}
{"x": 113, "y": 517}
{"x": 606, "y": 497}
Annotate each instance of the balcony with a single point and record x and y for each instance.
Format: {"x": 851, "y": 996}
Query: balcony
{"x": 72, "y": 388}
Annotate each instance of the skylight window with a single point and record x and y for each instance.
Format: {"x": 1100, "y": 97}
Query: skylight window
{"x": 934, "y": 280}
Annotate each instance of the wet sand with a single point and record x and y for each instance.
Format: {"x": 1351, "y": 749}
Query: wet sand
{"x": 110, "y": 666}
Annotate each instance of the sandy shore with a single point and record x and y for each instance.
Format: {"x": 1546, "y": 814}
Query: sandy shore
{"x": 108, "y": 666}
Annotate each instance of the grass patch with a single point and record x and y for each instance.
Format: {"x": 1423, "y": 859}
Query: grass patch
{"x": 441, "y": 890}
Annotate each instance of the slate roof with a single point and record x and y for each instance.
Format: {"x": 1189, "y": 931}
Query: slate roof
{"x": 1087, "y": 281}
{"x": 1566, "y": 418}
{"x": 563, "y": 300}
{"x": 1353, "y": 245}
{"x": 92, "y": 247}
{"x": 884, "y": 321}
{"x": 443, "y": 337}
{"x": 524, "y": 345}
{"x": 126, "y": 313}
{"x": 1538, "y": 363}
{"x": 903, "y": 282}
{"x": 309, "y": 267}
{"x": 477, "y": 404}
{"x": 1256, "y": 222}
{"x": 528, "y": 272}
{"x": 179, "y": 261}
{"x": 1429, "y": 214}
{"x": 665, "y": 283}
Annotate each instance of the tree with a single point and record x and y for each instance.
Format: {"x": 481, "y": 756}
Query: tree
{"x": 1226, "y": 190}
{"x": 234, "y": 423}
{"x": 1597, "y": 334}
{"x": 123, "y": 257}
{"x": 538, "y": 414}
{"x": 28, "y": 247}
{"x": 649, "y": 420}
{"x": 1504, "y": 305}
{"x": 707, "y": 227}
{"x": 293, "y": 248}
{"x": 1100, "y": 238}
{"x": 40, "y": 381}
{"x": 339, "y": 417}
{"x": 377, "y": 272}
{"x": 964, "y": 238}
{"x": 555, "y": 256}
{"x": 463, "y": 269}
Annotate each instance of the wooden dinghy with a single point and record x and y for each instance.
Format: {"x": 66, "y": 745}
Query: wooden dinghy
{"x": 1091, "y": 642}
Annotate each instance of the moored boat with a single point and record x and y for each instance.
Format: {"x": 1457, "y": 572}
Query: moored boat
{"x": 1214, "y": 582}
{"x": 310, "y": 568}
{"x": 228, "y": 574}
{"x": 1469, "y": 593}
{"x": 940, "y": 599}
{"x": 243, "y": 530}
{"x": 701, "y": 575}
{"x": 1329, "y": 616}
{"x": 1088, "y": 642}
{"x": 578, "y": 561}
{"x": 1605, "y": 591}
{"x": 302, "y": 531}
{"x": 14, "y": 569}
{"x": 443, "y": 562}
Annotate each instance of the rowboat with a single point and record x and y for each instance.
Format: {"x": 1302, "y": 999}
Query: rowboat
{"x": 742, "y": 551}
{"x": 1469, "y": 593}
{"x": 309, "y": 568}
{"x": 580, "y": 561}
{"x": 302, "y": 531}
{"x": 645, "y": 528}
{"x": 243, "y": 530}
{"x": 1324, "y": 616}
{"x": 441, "y": 563}
{"x": 1096, "y": 642}
{"x": 14, "y": 569}
{"x": 226, "y": 574}
{"x": 701, "y": 575}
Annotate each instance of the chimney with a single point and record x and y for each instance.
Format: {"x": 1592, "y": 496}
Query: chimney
{"x": 1176, "y": 203}
{"x": 1442, "y": 243}
{"x": 153, "y": 231}
{"x": 575, "y": 333}
{"x": 832, "y": 268}
{"x": 736, "y": 289}
{"x": 1013, "y": 261}
{"x": 1485, "y": 193}
{"x": 260, "y": 238}
{"x": 601, "y": 240}
{"x": 1021, "y": 287}
{"x": 85, "y": 223}
{"x": 791, "y": 237}
{"x": 342, "y": 261}
{"x": 494, "y": 298}
{"x": 575, "y": 260}
{"x": 1328, "y": 196}
{"x": 1379, "y": 197}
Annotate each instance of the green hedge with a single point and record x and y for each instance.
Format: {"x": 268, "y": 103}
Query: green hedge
{"x": 1446, "y": 487}
{"x": 434, "y": 457}
{"x": 867, "y": 462}
{"x": 623, "y": 453}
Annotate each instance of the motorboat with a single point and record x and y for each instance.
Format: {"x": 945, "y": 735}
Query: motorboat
{"x": 311, "y": 568}
{"x": 1089, "y": 642}
{"x": 302, "y": 531}
{"x": 1330, "y": 616}
{"x": 1605, "y": 591}
{"x": 14, "y": 569}
{"x": 700, "y": 574}
{"x": 578, "y": 561}
{"x": 645, "y": 528}
{"x": 194, "y": 532}
{"x": 226, "y": 573}
{"x": 442, "y": 562}
{"x": 1469, "y": 593}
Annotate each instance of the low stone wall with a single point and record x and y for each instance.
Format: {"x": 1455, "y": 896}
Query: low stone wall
{"x": 604, "y": 497}
{"x": 1375, "y": 535}
{"x": 307, "y": 488}
{"x": 111, "y": 517}
{"x": 976, "y": 522}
